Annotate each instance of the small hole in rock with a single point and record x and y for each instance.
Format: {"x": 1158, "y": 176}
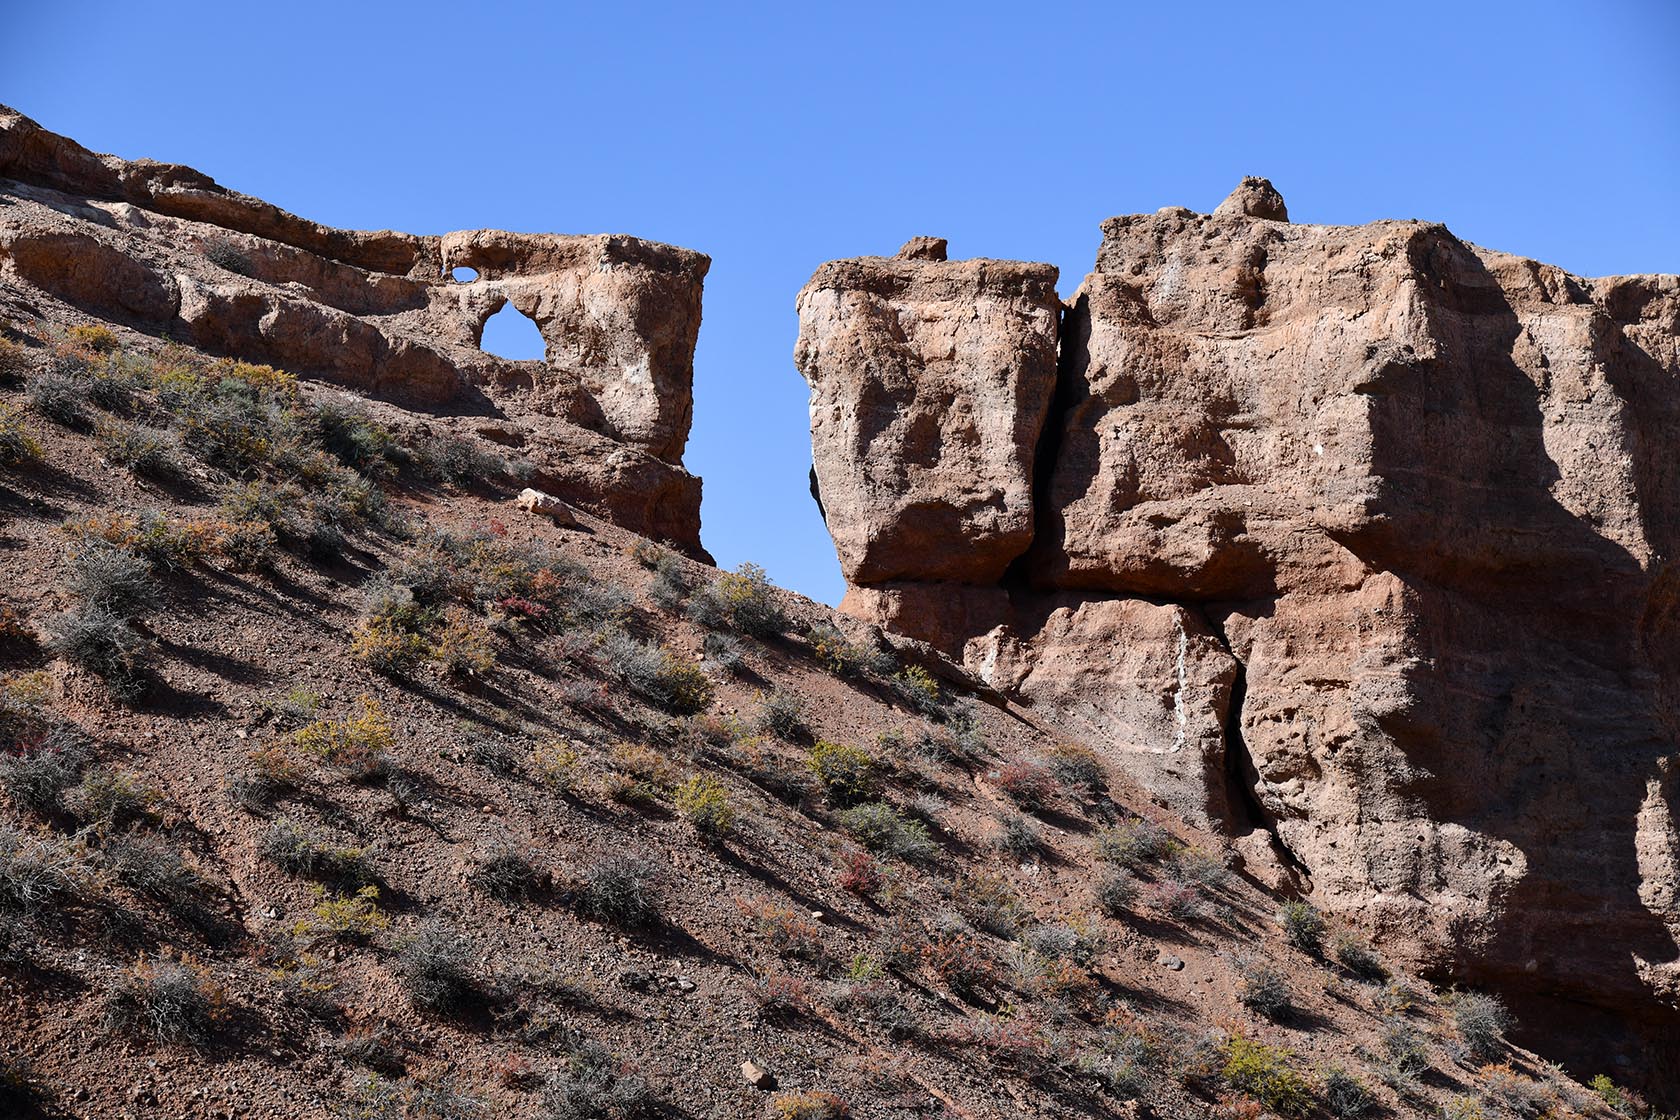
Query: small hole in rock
{"x": 510, "y": 334}
{"x": 461, "y": 274}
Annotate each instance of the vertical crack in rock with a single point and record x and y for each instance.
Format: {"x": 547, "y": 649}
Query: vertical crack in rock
{"x": 1242, "y": 776}
{"x": 1181, "y": 672}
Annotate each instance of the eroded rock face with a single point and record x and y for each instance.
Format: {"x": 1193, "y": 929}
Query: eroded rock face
{"x": 1360, "y": 539}
{"x": 165, "y": 250}
{"x": 930, "y": 380}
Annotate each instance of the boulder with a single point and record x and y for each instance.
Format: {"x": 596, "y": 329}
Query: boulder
{"x": 538, "y": 504}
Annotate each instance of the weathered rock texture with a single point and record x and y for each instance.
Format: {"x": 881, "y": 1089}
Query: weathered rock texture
{"x": 1358, "y": 540}
{"x": 929, "y": 382}
{"x": 163, "y": 249}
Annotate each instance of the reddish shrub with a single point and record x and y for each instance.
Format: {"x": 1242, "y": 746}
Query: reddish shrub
{"x": 860, "y": 873}
{"x": 1027, "y": 783}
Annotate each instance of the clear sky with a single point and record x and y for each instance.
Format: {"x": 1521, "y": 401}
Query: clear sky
{"x": 776, "y": 136}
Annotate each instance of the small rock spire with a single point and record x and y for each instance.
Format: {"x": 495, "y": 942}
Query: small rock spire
{"x": 922, "y": 249}
{"x": 1254, "y": 198}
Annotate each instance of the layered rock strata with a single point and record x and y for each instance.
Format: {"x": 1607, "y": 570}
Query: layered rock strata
{"x": 165, "y": 250}
{"x": 1358, "y": 541}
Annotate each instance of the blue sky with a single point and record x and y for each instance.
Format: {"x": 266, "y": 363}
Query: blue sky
{"x": 777, "y": 136}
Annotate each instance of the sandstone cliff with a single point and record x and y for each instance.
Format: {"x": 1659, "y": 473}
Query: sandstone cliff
{"x": 1356, "y": 542}
{"x": 166, "y": 251}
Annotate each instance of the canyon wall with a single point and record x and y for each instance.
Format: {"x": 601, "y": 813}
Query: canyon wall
{"x": 164, "y": 250}
{"x": 1356, "y": 542}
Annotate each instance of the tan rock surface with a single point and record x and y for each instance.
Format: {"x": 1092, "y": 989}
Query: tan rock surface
{"x": 930, "y": 380}
{"x": 165, "y": 250}
{"x": 1409, "y": 505}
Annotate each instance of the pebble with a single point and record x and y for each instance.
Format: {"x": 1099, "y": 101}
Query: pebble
{"x": 757, "y": 1076}
{"x": 1168, "y": 961}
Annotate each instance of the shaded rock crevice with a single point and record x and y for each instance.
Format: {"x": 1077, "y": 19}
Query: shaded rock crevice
{"x": 1248, "y": 815}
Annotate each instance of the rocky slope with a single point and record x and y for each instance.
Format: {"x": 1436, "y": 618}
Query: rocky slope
{"x": 334, "y": 783}
{"x": 1354, "y": 544}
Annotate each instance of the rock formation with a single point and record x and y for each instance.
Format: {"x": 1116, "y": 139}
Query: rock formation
{"x": 1355, "y": 541}
{"x": 943, "y": 375}
{"x": 163, "y": 249}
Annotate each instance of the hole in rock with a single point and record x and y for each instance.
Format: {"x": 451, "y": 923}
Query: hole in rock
{"x": 510, "y": 334}
{"x": 461, "y": 274}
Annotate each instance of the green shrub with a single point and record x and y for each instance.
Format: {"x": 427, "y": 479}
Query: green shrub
{"x": 704, "y": 803}
{"x": 437, "y": 1098}
{"x": 37, "y": 779}
{"x": 1404, "y": 1049}
{"x": 59, "y": 397}
{"x": 1133, "y": 844}
{"x": 744, "y": 600}
{"x": 436, "y": 969}
{"x": 593, "y": 1085}
{"x": 843, "y": 657}
{"x": 1018, "y": 836}
{"x": 847, "y": 773}
{"x": 1359, "y": 958}
{"x": 225, "y": 255}
{"x": 152, "y": 866}
{"x": 33, "y": 870}
{"x": 505, "y": 872}
{"x": 1261, "y": 1072}
{"x": 1482, "y": 1021}
{"x": 360, "y": 745}
{"x": 354, "y": 438}
{"x": 143, "y": 452}
{"x": 783, "y": 715}
{"x": 14, "y": 360}
{"x": 1303, "y": 926}
{"x": 916, "y": 686}
{"x": 1347, "y": 1097}
{"x": 657, "y": 674}
{"x": 1075, "y": 765}
{"x": 463, "y": 645}
{"x": 93, "y": 336}
{"x": 1117, "y": 893}
{"x": 1615, "y": 1098}
{"x": 113, "y": 580}
{"x": 1263, "y": 990}
{"x": 354, "y": 918}
{"x": 386, "y": 647}
{"x": 724, "y": 651}
{"x": 670, "y": 586}
{"x": 619, "y": 890}
{"x": 295, "y": 851}
{"x": 17, "y": 447}
{"x": 170, "y": 1001}
{"x": 113, "y": 801}
{"x": 810, "y": 1105}
{"x": 457, "y": 462}
{"x": 989, "y": 903}
{"x": 880, "y": 828}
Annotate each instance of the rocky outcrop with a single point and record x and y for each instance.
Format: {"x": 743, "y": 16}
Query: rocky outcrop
{"x": 930, "y": 380}
{"x": 165, "y": 250}
{"x": 1355, "y": 541}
